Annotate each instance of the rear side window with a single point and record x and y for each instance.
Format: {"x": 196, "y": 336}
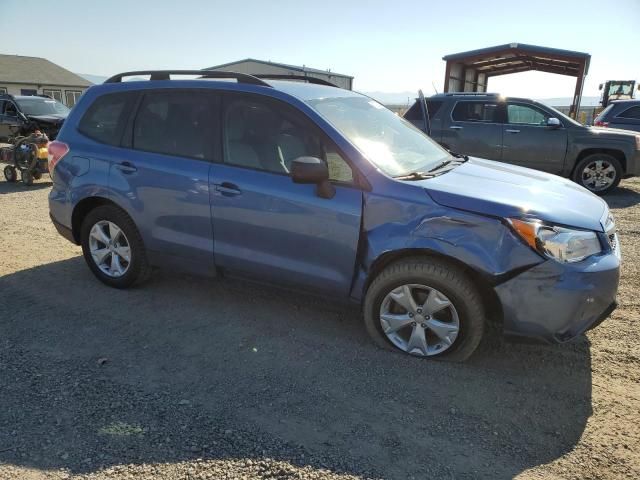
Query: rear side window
{"x": 475, "y": 112}
{"x": 176, "y": 123}
{"x": 633, "y": 113}
{"x": 105, "y": 119}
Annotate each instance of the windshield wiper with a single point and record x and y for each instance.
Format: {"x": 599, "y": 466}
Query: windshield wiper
{"x": 441, "y": 165}
{"x": 413, "y": 176}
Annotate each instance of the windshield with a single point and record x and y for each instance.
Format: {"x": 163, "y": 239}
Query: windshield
{"x": 395, "y": 146}
{"x": 41, "y": 106}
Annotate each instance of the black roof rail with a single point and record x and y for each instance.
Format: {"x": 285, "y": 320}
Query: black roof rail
{"x": 314, "y": 80}
{"x": 166, "y": 75}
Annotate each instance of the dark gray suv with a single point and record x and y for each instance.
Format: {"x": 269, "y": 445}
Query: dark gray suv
{"x": 524, "y": 132}
{"x": 623, "y": 114}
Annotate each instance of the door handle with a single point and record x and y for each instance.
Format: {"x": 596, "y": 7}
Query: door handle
{"x": 456, "y": 127}
{"x": 126, "y": 167}
{"x": 511, "y": 130}
{"x": 227, "y": 189}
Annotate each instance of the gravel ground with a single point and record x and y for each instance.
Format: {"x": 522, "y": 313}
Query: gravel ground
{"x": 193, "y": 378}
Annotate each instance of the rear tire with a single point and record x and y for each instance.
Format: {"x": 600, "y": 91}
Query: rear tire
{"x": 135, "y": 268}
{"x": 450, "y": 284}
{"x": 599, "y": 173}
{"x": 27, "y": 177}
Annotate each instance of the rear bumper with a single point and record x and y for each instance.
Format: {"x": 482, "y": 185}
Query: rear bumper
{"x": 556, "y": 303}
{"x": 62, "y": 230}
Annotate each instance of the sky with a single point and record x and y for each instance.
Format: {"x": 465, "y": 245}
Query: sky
{"x": 388, "y": 46}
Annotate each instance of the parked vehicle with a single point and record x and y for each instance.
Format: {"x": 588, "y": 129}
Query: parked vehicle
{"x": 23, "y": 115}
{"x": 624, "y": 114}
{"x": 322, "y": 189}
{"x": 529, "y": 134}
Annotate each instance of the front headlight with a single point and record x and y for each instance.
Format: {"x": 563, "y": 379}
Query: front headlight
{"x": 562, "y": 244}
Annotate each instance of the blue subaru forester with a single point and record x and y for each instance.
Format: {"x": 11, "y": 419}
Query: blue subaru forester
{"x": 321, "y": 189}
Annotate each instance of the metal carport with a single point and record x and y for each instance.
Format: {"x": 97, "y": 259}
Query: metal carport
{"x": 470, "y": 71}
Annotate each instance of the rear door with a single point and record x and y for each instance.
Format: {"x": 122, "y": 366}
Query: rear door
{"x": 628, "y": 119}
{"x": 474, "y": 129}
{"x": 162, "y": 177}
{"x": 268, "y": 227}
{"x": 529, "y": 142}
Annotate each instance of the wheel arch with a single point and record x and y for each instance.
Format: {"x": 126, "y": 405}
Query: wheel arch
{"x": 82, "y": 209}
{"x": 615, "y": 153}
{"x": 491, "y": 302}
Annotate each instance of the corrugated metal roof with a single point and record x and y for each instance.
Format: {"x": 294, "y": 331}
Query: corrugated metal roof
{"x": 295, "y": 68}
{"x": 36, "y": 70}
{"x": 486, "y": 53}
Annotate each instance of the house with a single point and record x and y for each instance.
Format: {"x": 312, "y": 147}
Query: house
{"x": 21, "y": 75}
{"x": 261, "y": 67}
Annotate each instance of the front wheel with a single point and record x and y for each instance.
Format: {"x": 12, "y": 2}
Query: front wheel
{"x": 113, "y": 248}
{"x": 10, "y": 173}
{"x": 425, "y": 307}
{"x": 599, "y": 172}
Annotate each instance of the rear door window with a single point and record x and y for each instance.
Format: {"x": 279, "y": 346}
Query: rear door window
{"x": 474, "y": 111}
{"x": 105, "y": 119}
{"x": 176, "y": 123}
{"x": 631, "y": 113}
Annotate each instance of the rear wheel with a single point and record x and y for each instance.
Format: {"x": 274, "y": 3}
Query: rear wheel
{"x": 10, "y": 173}
{"x": 598, "y": 172}
{"x": 113, "y": 248}
{"x": 27, "y": 177}
{"x": 426, "y": 308}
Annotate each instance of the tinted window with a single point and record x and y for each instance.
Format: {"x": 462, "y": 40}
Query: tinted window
{"x": 633, "y": 112}
{"x": 267, "y": 135}
{"x": 475, "y": 112}
{"x": 604, "y": 113}
{"x": 526, "y": 115}
{"x": 104, "y": 120}
{"x": 176, "y": 123}
{"x": 415, "y": 112}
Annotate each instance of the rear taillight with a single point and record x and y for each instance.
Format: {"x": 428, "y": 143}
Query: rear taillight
{"x": 600, "y": 123}
{"x": 57, "y": 150}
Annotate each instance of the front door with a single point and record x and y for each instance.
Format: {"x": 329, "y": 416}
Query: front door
{"x": 529, "y": 142}
{"x": 268, "y": 227}
{"x": 9, "y": 121}
{"x": 474, "y": 129}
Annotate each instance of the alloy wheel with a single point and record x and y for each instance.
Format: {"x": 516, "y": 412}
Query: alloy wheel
{"x": 419, "y": 319}
{"x": 598, "y": 175}
{"x": 110, "y": 248}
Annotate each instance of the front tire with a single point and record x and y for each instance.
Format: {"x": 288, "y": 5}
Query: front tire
{"x": 599, "y": 173}
{"x": 113, "y": 247}
{"x": 425, "y": 307}
{"x": 10, "y": 174}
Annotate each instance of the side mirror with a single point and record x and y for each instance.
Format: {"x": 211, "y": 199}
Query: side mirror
{"x": 553, "y": 123}
{"x": 600, "y": 87}
{"x": 313, "y": 170}
{"x": 22, "y": 117}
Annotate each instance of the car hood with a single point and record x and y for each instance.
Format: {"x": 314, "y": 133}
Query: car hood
{"x": 48, "y": 118}
{"x": 606, "y": 132}
{"x": 502, "y": 190}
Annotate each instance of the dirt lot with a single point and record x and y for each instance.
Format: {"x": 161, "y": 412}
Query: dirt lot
{"x": 192, "y": 378}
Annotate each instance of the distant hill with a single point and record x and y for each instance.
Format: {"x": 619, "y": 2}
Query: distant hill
{"x": 93, "y": 78}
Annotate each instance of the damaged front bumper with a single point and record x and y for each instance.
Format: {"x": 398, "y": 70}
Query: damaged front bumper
{"x": 556, "y": 302}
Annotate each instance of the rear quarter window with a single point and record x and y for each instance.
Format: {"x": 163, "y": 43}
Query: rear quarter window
{"x": 104, "y": 121}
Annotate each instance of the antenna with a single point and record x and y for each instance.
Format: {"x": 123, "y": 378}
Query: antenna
{"x": 434, "y": 87}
